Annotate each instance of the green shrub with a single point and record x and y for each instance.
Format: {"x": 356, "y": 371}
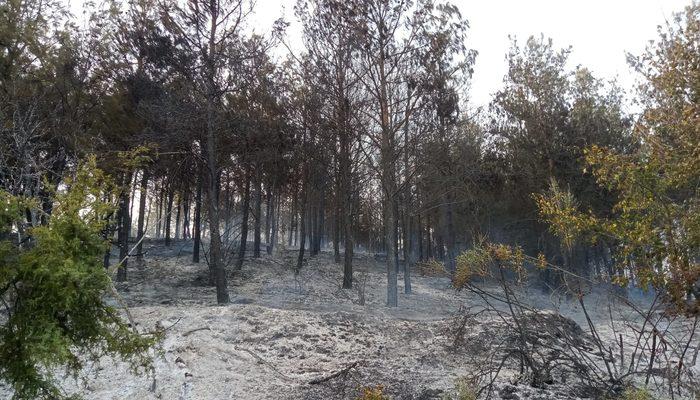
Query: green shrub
{"x": 373, "y": 393}
{"x": 465, "y": 389}
{"x": 53, "y": 288}
{"x": 633, "y": 393}
{"x": 431, "y": 267}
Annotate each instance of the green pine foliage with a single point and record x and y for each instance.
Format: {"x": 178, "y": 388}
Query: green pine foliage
{"x": 54, "y": 289}
{"x": 655, "y": 219}
{"x": 636, "y": 394}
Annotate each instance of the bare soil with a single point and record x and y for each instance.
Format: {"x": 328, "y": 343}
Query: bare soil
{"x": 283, "y": 333}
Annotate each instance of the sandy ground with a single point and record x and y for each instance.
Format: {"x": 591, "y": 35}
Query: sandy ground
{"x": 282, "y": 332}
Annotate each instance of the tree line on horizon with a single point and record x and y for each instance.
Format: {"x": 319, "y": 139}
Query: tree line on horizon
{"x": 366, "y": 139}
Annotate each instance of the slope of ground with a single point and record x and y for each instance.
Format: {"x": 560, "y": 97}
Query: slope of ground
{"x": 282, "y": 334}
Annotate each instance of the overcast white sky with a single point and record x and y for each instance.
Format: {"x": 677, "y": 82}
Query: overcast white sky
{"x": 600, "y": 32}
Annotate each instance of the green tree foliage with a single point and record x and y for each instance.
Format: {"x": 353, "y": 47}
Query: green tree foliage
{"x": 543, "y": 119}
{"x": 656, "y": 218}
{"x": 53, "y": 288}
{"x": 547, "y": 114}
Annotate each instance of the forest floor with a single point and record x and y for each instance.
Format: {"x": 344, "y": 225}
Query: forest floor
{"x": 281, "y": 333}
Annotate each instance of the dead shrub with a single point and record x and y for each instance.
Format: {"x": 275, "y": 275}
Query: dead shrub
{"x": 432, "y": 268}
{"x": 373, "y": 393}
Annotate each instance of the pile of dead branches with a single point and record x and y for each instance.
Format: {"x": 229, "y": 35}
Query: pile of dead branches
{"x": 633, "y": 346}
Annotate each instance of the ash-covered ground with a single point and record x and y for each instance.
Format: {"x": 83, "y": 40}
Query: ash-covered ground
{"x": 283, "y": 334}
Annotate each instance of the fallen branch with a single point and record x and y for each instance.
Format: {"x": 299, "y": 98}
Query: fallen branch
{"x": 204, "y": 328}
{"x": 122, "y": 303}
{"x": 334, "y": 375}
{"x": 261, "y": 360}
{"x": 174, "y": 323}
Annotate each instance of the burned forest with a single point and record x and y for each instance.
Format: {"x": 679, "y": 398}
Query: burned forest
{"x": 312, "y": 199}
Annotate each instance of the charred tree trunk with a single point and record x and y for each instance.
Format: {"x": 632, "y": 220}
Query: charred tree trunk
{"x": 244, "y": 221}
{"x": 268, "y": 212}
{"x": 440, "y": 247}
{"x": 140, "y": 230}
{"x": 310, "y": 220}
{"x": 198, "y": 218}
{"x": 132, "y": 185}
{"x": 257, "y": 214}
{"x": 159, "y": 214}
{"x": 388, "y": 180}
{"x": 186, "y": 215}
{"x": 390, "y": 242}
{"x": 168, "y": 214}
{"x": 321, "y": 222}
{"x": 124, "y": 225}
{"x": 227, "y": 212}
{"x": 302, "y": 227}
{"x": 275, "y": 224}
{"x": 108, "y": 234}
{"x": 292, "y": 220}
{"x": 177, "y": 217}
{"x": 216, "y": 266}
{"x": 53, "y": 179}
{"x": 347, "y": 216}
{"x": 419, "y": 238}
{"x": 271, "y": 221}
{"x": 428, "y": 240}
{"x": 449, "y": 235}
{"x": 311, "y": 224}
{"x": 336, "y": 226}
{"x": 408, "y": 239}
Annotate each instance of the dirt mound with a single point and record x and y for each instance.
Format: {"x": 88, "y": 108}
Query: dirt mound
{"x": 304, "y": 337}
{"x": 537, "y": 349}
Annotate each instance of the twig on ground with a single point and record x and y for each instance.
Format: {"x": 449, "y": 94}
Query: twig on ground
{"x": 272, "y": 367}
{"x": 204, "y": 328}
{"x": 334, "y": 375}
{"x": 174, "y": 323}
{"x": 122, "y": 303}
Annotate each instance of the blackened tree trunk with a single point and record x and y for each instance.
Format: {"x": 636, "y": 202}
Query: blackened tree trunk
{"x": 140, "y": 229}
{"x": 244, "y": 221}
{"x": 397, "y": 223}
{"x": 216, "y": 266}
{"x": 159, "y": 214}
{"x": 336, "y": 230}
{"x": 275, "y": 224}
{"x": 228, "y": 204}
{"x": 186, "y": 214}
{"x": 349, "y": 248}
{"x": 268, "y": 213}
{"x": 419, "y": 238}
{"x": 388, "y": 182}
{"x": 53, "y": 179}
{"x": 270, "y": 221}
{"x": 132, "y": 185}
{"x": 198, "y": 218}
{"x": 440, "y": 247}
{"x": 390, "y": 238}
{"x": 302, "y": 227}
{"x": 258, "y": 214}
{"x": 311, "y": 225}
{"x": 292, "y": 220}
{"x": 321, "y": 222}
{"x": 428, "y": 240}
{"x": 449, "y": 234}
{"x": 108, "y": 234}
{"x": 168, "y": 214}
{"x": 346, "y": 204}
{"x": 124, "y": 225}
{"x": 177, "y": 217}
{"x": 408, "y": 236}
